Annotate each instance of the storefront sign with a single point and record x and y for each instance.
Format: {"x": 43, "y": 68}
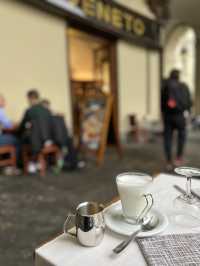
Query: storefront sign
{"x": 118, "y": 18}
{"x": 111, "y": 17}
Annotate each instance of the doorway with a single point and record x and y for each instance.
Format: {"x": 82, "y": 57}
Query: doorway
{"x": 92, "y": 69}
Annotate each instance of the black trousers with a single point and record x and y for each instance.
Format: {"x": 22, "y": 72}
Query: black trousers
{"x": 174, "y": 122}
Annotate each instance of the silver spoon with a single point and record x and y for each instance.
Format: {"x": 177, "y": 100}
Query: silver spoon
{"x": 145, "y": 226}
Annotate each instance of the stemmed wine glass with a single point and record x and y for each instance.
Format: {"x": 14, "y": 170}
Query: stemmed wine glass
{"x": 187, "y": 205}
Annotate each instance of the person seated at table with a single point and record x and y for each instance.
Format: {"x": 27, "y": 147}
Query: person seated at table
{"x": 8, "y": 138}
{"x": 36, "y": 113}
{"x": 39, "y": 118}
{"x": 62, "y": 138}
{"x": 35, "y": 110}
{"x": 46, "y": 103}
{"x": 4, "y": 120}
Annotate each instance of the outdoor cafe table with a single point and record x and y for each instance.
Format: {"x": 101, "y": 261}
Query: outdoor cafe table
{"x": 65, "y": 251}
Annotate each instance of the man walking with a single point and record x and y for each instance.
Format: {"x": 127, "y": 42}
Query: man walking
{"x": 175, "y": 103}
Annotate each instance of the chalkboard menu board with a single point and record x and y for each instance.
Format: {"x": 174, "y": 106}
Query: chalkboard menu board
{"x": 95, "y": 119}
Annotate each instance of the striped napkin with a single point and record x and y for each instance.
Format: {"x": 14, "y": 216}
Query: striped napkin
{"x": 171, "y": 250}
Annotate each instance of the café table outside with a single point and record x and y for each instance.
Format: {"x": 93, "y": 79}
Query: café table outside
{"x": 65, "y": 251}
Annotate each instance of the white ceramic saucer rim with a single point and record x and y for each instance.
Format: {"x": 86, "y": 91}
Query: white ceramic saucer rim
{"x": 159, "y": 229}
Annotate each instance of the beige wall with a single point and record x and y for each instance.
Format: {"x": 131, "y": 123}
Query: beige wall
{"x": 133, "y": 79}
{"x": 33, "y": 54}
{"x": 132, "y": 82}
{"x": 154, "y": 78}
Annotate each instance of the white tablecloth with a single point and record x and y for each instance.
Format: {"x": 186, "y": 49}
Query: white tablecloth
{"x": 65, "y": 251}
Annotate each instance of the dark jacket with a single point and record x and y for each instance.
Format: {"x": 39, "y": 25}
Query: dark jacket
{"x": 173, "y": 89}
{"x": 60, "y": 132}
{"x": 33, "y": 113}
{"x": 41, "y": 131}
{"x": 36, "y": 127}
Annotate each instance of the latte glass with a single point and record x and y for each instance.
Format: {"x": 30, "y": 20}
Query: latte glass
{"x": 133, "y": 190}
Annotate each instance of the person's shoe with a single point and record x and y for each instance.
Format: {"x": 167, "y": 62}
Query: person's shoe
{"x": 179, "y": 162}
{"x": 59, "y": 166}
{"x": 32, "y": 168}
{"x": 10, "y": 171}
{"x": 81, "y": 164}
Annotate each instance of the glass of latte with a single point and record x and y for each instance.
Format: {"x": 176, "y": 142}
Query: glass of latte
{"x": 133, "y": 190}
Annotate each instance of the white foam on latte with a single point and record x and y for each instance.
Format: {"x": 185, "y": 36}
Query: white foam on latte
{"x": 134, "y": 179}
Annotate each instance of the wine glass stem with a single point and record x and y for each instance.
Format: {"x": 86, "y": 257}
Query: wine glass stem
{"x": 188, "y": 187}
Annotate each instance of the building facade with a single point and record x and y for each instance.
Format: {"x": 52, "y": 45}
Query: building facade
{"x": 34, "y": 54}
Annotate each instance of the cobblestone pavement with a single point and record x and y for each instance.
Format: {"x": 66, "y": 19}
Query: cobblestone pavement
{"x": 32, "y": 209}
